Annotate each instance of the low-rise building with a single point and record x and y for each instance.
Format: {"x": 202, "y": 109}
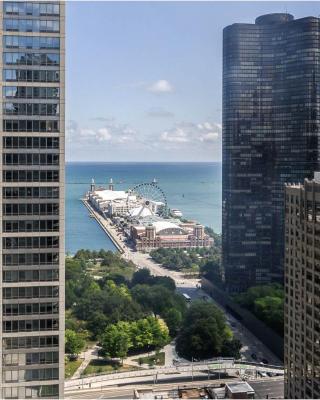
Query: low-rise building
{"x": 168, "y": 233}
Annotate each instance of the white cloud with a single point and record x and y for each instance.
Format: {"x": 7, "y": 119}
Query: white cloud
{"x": 103, "y": 134}
{"x": 110, "y": 132}
{"x": 177, "y": 135}
{"x": 160, "y": 86}
{"x": 192, "y": 133}
{"x": 209, "y": 137}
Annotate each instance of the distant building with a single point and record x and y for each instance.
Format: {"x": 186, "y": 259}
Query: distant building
{"x": 115, "y": 203}
{"x": 302, "y": 290}
{"x": 271, "y": 118}
{"x": 168, "y": 233}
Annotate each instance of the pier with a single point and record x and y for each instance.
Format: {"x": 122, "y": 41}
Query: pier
{"x": 105, "y": 226}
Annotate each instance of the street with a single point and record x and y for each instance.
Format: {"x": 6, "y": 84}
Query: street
{"x": 251, "y": 344}
{"x": 271, "y": 388}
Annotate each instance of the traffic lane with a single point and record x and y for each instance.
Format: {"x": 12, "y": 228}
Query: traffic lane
{"x": 269, "y": 389}
{"x": 263, "y": 389}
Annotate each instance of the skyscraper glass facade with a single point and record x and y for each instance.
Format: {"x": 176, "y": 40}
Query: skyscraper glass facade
{"x": 271, "y": 118}
{"x": 32, "y": 199}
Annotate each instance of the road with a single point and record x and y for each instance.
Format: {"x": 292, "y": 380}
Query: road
{"x": 251, "y": 344}
{"x": 272, "y": 388}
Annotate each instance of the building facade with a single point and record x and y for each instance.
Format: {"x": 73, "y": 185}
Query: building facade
{"x": 169, "y": 234}
{"x": 270, "y": 136}
{"x": 302, "y": 290}
{"x": 32, "y": 199}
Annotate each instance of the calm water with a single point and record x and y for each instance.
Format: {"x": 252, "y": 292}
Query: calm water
{"x": 194, "y": 188}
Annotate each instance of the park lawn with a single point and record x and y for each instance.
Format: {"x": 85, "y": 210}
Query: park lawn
{"x": 155, "y": 359}
{"x": 71, "y": 367}
{"x": 106, "y": 367}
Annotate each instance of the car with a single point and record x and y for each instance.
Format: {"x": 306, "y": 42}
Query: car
{"x": 262, "y": 374}
{"x": 254, "y": 356}
{"x": 265, "y": 361}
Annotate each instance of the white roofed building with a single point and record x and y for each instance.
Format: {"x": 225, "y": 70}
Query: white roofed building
{"x": 112, "y": 202}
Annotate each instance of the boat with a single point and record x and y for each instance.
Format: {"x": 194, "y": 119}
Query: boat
{"x": 176, "y": 213}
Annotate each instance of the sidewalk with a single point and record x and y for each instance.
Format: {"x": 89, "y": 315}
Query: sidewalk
{"x": 88, "y": 355}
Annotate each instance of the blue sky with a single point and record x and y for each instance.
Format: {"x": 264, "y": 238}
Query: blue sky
{"x": 144, "y": 78}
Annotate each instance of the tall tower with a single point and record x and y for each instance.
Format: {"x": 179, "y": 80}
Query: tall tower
{"x": 270, "y": 136}
{"x": 302, "y": 290}
{"x": 32, "y": 199}
{"x": 92, "y": 186}
{"x": 111, "y": 185}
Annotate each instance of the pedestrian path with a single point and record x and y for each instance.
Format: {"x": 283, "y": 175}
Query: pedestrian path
{"x": 88, "y": 355}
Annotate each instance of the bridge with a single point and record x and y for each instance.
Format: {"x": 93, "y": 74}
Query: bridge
{"x": 218, "y": 365}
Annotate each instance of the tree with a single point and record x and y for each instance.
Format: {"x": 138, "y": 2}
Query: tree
{"x": 204, "y": 332}
{"x": 173, "y": 318}
{"x": 97, "y": 323}
{"x": 231, "y": 348}
{"x": 266, "y": 302}
{"x": 115, "y": 341}
{"x": 159, "y": 331}
{"x": 74, "y": 342}
{"x": 142, "y": 276}
{"x": 216, "y": 236}
{"x": 211, "y": 270}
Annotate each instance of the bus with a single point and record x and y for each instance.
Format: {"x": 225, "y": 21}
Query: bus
{"x": 186, "y": 297}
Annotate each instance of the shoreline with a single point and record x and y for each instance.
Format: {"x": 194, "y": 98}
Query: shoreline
{"x": 105, "y": 226}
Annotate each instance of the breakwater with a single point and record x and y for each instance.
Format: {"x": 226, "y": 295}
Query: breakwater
{"x": 105, "y": 226}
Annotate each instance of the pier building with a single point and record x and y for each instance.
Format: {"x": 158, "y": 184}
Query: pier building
{"x": 140, "y": 214}
{"x": 169, "y": 234}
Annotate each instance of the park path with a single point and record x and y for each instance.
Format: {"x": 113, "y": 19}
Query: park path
{"x": 90, "y": 354}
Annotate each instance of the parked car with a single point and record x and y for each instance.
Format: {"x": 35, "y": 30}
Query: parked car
{"x": 265, "y": 361}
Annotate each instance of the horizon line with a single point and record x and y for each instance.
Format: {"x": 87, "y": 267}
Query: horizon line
{"x": 141, "y": 162}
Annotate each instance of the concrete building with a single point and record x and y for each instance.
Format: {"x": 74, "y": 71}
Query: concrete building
{"x": 32, "y": 199}
{"x": 302, "y": 290}
{"x": 271, "y": 118}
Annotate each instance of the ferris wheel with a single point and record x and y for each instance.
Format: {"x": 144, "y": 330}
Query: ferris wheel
{"x": 150, "y": 197}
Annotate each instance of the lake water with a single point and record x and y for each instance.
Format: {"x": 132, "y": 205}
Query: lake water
{"x": 193, "y": 188}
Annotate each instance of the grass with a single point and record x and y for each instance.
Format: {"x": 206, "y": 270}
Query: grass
{"x": 155, "y": 359}
{"x": 101, "y": 366}
{"x": 71, "y": 367}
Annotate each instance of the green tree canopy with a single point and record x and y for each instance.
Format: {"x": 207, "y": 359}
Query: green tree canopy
{"x": 74, "y": 342}
{"x": 204, "y": 332}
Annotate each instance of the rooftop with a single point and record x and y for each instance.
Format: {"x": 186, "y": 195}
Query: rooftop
{"x": 111, "y": 195}
{"x": 239, "y": 387}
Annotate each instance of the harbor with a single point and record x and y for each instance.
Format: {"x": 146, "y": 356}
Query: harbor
{"x": 141, "y": 215}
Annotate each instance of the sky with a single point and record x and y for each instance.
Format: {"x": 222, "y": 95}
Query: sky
{"x": 144, "y": 79}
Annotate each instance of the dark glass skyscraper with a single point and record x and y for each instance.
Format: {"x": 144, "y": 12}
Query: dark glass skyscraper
{"x": 271, "y": 104}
